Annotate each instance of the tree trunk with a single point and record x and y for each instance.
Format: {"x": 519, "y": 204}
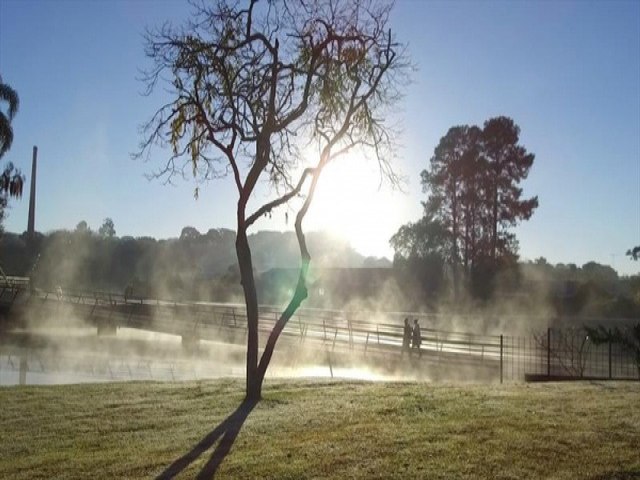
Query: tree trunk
{"x": 473, "y": 240}
{"x": 494, "y": 238}
{"x": 298, "y": 297}
{"x": 254, "y": 388}
{"x": 243, "y": 252}
{"x": 254, "y": 383}
{"x": 454, "y": 260}
{"x": 467, "y": 238}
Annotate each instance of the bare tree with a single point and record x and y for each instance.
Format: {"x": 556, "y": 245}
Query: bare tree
{"x": 252, "y": 88}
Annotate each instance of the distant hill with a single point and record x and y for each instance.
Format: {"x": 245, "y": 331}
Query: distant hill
{"x": 216, "y": 251}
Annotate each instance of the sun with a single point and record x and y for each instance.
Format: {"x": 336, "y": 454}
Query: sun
{"x": 352, "y": 202}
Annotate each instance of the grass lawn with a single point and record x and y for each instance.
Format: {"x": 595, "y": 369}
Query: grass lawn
{"x": 321, "y": 429}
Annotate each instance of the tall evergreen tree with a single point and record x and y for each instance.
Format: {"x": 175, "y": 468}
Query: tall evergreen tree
{"x": 474, "y": 194}
{"x": 445, "y": 183}
{"x": 507, "y": 163}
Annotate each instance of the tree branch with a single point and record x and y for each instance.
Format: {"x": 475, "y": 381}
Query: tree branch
{"x": 266, "y": 208}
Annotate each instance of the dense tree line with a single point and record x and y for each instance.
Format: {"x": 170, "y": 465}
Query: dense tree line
{"x": 592, "y": 290}
{"x": 195, "y": 265}
{"x": 201, "y": 266}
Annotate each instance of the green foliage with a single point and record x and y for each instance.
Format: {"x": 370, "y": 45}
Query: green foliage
{"x": 11, "y": 185}
{"x": 472, "y": 185}
{"x": 9, "y": 96}
{"x": 297, "y": 69}
{"x": 425, "y": 237}
{"x": 11, "y": 179}
{"x": 107, "y": 229}
{"x": 11, "y": 182}
{"x": 198, "y": 266}
{"x": 420, "y": 254}
{"x": 628, "y": 338}
{"x": 83, "y": 228}
{"x": 601, "y": 274}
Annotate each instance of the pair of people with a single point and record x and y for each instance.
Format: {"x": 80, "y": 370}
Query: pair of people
{"x": 412, "y": 336}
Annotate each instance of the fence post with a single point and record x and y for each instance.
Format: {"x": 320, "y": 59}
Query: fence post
{"x": 610, "y": 376}
{"x": 501, "y": 356}
{"x": 549, "y": 352}
{"x": 24, "y": 366}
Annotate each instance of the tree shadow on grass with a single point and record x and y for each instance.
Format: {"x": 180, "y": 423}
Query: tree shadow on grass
{"x": 226, "y": 433}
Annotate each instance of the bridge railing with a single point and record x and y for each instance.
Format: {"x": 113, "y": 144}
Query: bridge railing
{"x": 336, "y": 329}
{"x": 331, "y": 330}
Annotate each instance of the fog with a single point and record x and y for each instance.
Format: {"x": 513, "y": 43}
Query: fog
{"x": 55, "y": 343}
{"x": 108, "y": 309}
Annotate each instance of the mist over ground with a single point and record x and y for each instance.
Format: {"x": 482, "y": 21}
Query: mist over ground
{"x": 203, "y": 267}
{"x": 138, "y": 280}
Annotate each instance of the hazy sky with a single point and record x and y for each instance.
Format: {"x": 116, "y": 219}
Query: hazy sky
{"x": 567, "y": 72}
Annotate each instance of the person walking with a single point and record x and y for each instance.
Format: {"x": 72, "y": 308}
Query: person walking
{"x": 416, "y": 336}
{"x": 406, "y": 337}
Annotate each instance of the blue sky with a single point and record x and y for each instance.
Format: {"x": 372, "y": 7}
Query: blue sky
{"x": 567, "y": 72}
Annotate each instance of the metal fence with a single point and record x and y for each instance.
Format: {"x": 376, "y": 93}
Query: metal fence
{"x": 567, "y": 353}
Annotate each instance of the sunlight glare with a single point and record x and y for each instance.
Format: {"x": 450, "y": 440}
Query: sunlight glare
{"x": 350, "y": 373}
{"x": 351, "y": 202}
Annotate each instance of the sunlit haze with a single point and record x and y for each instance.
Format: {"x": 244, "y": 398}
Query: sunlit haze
{"x": 353, "y": 201}
{"x": 568, "y": 73}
